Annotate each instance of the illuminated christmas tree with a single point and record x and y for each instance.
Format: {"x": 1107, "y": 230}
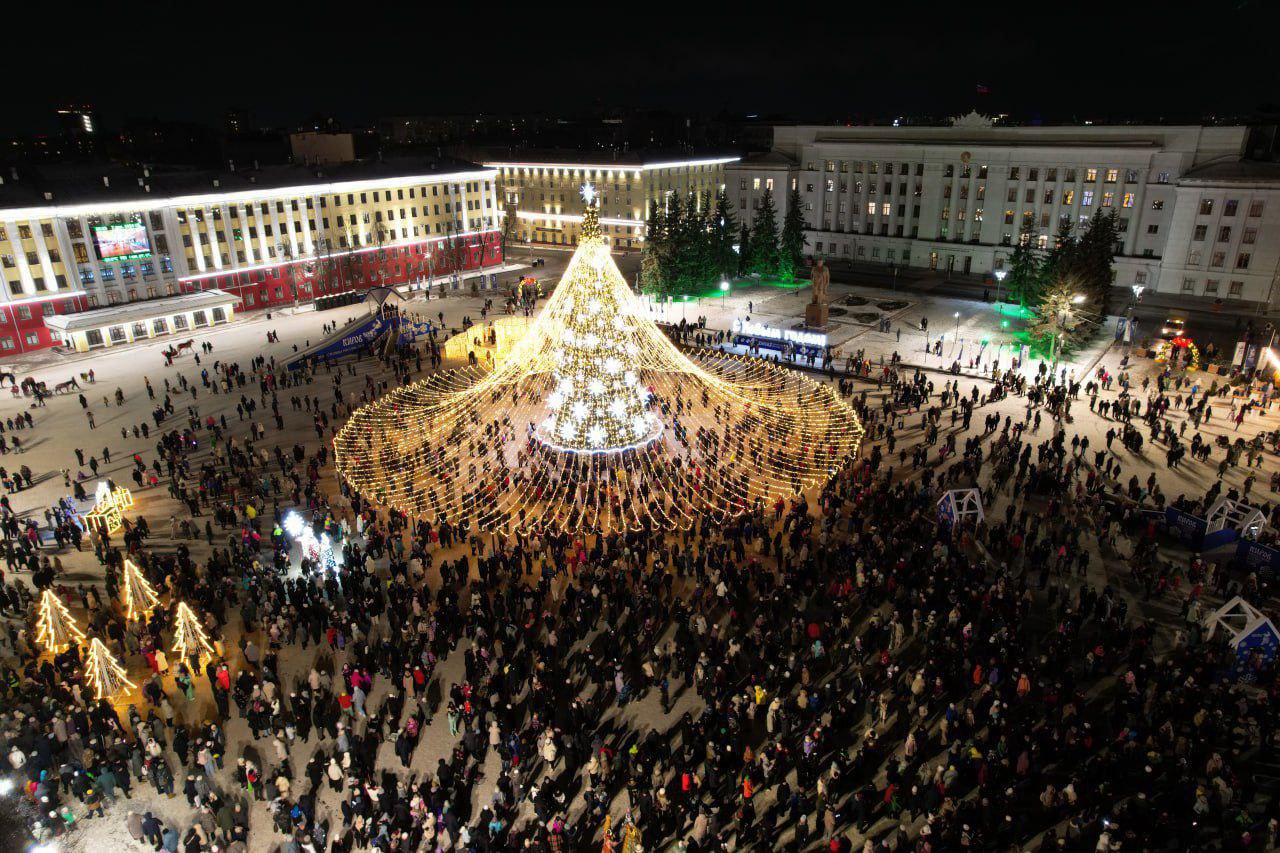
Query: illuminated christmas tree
{"x": 103, "y": 673}
{"x": 188, "y": 637}
{"x": 56, "y": 630}
{"x": 139, "y": 596}
{"x": 596, "y": 421}
{"x": 598, "y": 402}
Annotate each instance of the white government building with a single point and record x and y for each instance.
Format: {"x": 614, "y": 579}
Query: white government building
{"x": 1196, "y": 218}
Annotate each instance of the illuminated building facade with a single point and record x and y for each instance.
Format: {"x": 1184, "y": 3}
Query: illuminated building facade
{"x": 74, "y": 240}
{"x": 543, "y": 193}
{"x": 1195, "y": 218}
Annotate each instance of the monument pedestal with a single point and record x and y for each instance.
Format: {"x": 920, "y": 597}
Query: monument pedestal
{"x": 815, "y": 315}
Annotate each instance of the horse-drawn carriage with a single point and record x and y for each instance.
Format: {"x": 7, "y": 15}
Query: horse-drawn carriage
{"x": 30, "y": 387}
{"x": 174, "y": 351}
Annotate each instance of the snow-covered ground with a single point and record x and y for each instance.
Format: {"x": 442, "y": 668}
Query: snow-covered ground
{"x": 61, "y": 426}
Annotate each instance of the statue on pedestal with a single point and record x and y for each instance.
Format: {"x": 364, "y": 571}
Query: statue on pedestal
{"x": 815, "y": 313}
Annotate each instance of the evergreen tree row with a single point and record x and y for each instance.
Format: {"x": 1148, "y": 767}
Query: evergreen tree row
{"x": 1085, "y": 260}
{"x": 689, "y": 244}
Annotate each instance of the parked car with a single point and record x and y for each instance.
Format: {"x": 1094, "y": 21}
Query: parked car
{"x": 1174, "y": 327}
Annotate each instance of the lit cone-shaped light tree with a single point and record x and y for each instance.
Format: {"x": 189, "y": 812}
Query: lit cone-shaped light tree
{"x": 56, "y": 628}
{"x": 103, "y": 673}
{"x": 596, "y": 421}
{"x": 597, "y": 402}
{"x": 139, "y": 596}
{"x": 188, "y": 637}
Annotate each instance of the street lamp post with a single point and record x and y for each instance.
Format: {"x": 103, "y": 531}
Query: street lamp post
{"x": 724, "y": 291}
{"x": 1128, "y": 328}
{"x": 1000, "y": 276}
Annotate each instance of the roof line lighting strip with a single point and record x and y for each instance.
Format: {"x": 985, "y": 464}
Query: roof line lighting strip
{"x": 616, "y": 167}
{"x": 285, "y": 192}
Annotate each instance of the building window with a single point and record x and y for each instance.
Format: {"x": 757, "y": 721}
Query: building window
{"x": 1008, "y": 217}
{"x": 1235, "y": 289}
{"x": 1217, "y": 260}
{"x": 1255, "y": 208}
{"x": 7, "y": 344}
{"x": 1153, "y": 229}
{"x": 1200, "y": 232}
{"x": 1112, "y": 175}
{"x": 1162, "y": 177}
{"x": 1229, "y": 209}
{"x": 1211, "y": 287}
{"x": 1108, "y": 199}
{"x": 1206, "y": 206}
{"x": 1090, "y": 176}
{"x": 1086, "y": 199}
{"x": 1248, "y": 236}
{"x": 1014, "y": 173}
{"x": 1068, "y": 197}
{"x": 1193, "y": 258}
{"x": 1140, "y": 277}
{"x": 1128, "y": 200}
{"x": 1158, "y": 204}
{"x": 1242, "y": 261}
{"x": 33, "y": 339}
{"x": 1224, "y": 234}
{"x": 1188, "y": 285}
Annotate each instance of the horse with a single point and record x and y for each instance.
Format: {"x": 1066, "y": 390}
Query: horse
{"x": 65, "y": 387}
{"x": 30, "y": 386}
{"x": 184, "y": 346}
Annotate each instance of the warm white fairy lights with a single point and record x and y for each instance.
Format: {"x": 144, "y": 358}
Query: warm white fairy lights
{"x": 139, "y": 596}
{"x": 597, "y": 421}
{"x": 188, "y": 637}
{"x": 103, "y": 672}
{"x": 56, "y": 628}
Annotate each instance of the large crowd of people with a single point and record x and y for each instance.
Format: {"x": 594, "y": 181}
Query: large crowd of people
{"x": 842, "y": 670}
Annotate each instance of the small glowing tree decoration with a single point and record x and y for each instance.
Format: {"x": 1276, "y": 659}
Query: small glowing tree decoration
{"x": 139, "y": 596}
{"x": 56, "y": 629}
{"x": 103, "y": 673}
{"x": 109, "y": 504}
{"x": 188, "y": 637}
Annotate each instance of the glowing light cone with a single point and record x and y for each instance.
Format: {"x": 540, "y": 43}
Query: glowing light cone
{"x": 56, "y": 629}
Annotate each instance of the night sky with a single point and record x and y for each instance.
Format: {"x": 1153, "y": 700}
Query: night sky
{"x": 805, "y": 61}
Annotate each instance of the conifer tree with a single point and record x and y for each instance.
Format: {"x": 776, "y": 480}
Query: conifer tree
{"x": 764, "y": 238}
{"x": 791, "y": 251}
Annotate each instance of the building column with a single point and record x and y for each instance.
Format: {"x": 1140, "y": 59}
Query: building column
{"x": 193, "y": 229}
{"x": 264, "y": 242}
{"x": 245, "y": 238}
{"x": 20, "y": 258}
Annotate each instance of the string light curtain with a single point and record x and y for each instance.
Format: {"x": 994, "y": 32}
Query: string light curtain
{"x": 597, "y": 422}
